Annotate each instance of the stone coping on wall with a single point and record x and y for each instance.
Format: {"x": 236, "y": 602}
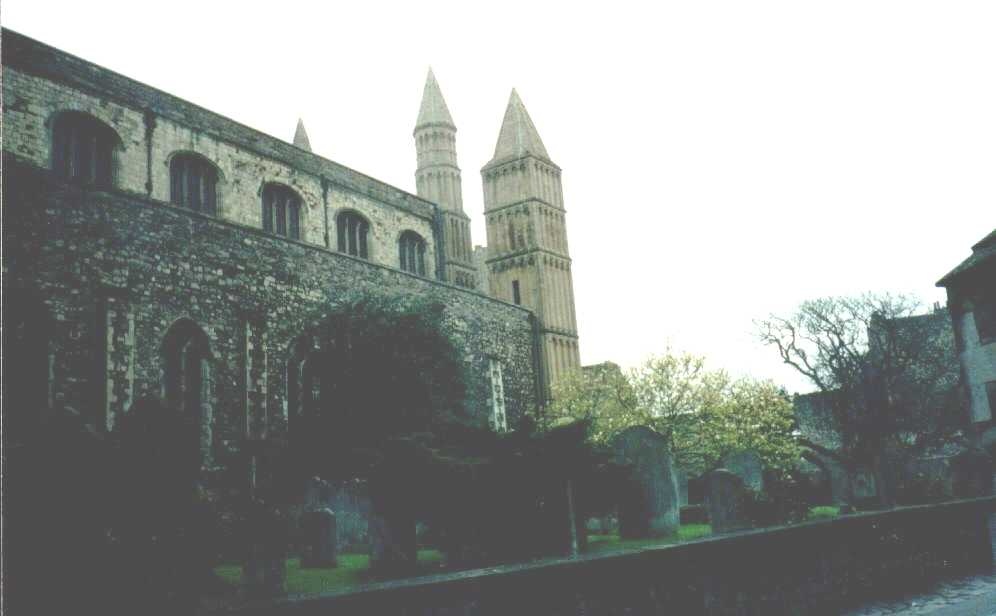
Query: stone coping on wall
{"x": 16, "y": 170}
{"x": 36, "y": 58}
{"x": 564, "y": 566}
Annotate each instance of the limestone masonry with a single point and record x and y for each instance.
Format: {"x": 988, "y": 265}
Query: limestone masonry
{"x": 155, "y": 247}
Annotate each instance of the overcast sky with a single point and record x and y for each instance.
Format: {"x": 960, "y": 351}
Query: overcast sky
{"x": 722, "y": 160}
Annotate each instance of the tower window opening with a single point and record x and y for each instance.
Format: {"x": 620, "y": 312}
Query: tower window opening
{"x": 516, "y": 294}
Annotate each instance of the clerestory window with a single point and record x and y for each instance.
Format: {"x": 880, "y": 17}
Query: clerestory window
{"x": 411, "y": 253}
{"x": 193, "y": 183}
{"x": 83, "y": 149}
{"x": 352, "y": 234}
{"x": 281, "y": 211}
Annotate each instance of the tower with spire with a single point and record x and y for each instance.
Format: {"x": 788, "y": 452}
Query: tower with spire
{"x": 301, "y": 136}
{"x": 437, "y": 178}
{"x": 527, "y": 259}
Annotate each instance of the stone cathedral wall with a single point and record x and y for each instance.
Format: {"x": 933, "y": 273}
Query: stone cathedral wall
{"x": 40, "y": 82}
{"x": 113, "y": 269}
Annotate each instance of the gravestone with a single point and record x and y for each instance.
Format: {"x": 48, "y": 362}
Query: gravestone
{"x": 682, "y": 478}
{"x": 317, "y": 494}
{"x": 393, "y": 547}
{"x": 746, "y": 465}
{"x": 648, "y": 504}
{"x": 864, "y": 487}
{"x": 725, "y": 494}
{"x": 318, "y": 529}
{"x": 265, "y": 569}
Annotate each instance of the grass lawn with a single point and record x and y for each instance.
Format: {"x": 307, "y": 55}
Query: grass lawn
{"x": 608, "y": 543}
{"x": 823, "y": 513}
{"x": 353, "y": 570}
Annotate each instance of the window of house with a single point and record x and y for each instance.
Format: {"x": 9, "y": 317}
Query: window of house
{"x": 499, "y": 421}
{"x": 516, "y": 294}
{"x": 352, "y": 232}
{"x": 83, "y": 149}
{"x": 193, "y": 183}
{"x": 281, "y": 211}
{"x": 411, "y": 253}
{"x": 985, "y": 316}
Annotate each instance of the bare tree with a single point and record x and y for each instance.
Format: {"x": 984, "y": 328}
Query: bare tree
{"x": 889, "y": 372}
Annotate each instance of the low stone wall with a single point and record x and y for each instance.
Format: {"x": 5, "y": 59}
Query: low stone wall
{"x": 814, "y": 568}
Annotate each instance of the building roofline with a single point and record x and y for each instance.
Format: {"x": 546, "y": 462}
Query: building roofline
{"x": 983, "y": 251}
{"x": 34, "y": 57}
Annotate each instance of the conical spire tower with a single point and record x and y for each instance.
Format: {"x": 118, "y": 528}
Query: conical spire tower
{"x": 518, "y": 136}
{"x": 528, "y": 262}
{"x": 437, "y": 178}
{"x": 433, "y": 110}
{"x": 301, "y": 136}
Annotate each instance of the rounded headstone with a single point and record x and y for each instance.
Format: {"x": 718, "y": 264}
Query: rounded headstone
{"x": 320, "y": 537}
{"x": 725, "y": 500}
{"x": 746, "y": 465}
{"x": 649, "y": 502}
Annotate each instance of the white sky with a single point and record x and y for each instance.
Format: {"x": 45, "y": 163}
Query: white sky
{"x": 722, "y": 160}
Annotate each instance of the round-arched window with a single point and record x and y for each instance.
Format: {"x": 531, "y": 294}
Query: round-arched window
{"x": 411, "y": 253}
{"x": 352, "y": 232}
{"x": 193, "y": 183}
{"x": 281, "y": 211}
{"x": 83, "y": 149}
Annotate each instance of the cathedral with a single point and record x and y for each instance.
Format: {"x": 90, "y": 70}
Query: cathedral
{"x": 153, "y": 247}
{"x": 526, "y": 260}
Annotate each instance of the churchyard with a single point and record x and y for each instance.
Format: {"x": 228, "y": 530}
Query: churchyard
{"x": 564, "y": 497}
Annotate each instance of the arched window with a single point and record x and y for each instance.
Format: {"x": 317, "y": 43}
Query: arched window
{"x": 193, "y": 183}
{"x": 83, "y": 148}
{"x": 352, "y": 230}
{"x": 411, "y": 253}
{"x": 187, "y": 377}
{"x": 281, "y": 211}
{"x": 303, "y": 381}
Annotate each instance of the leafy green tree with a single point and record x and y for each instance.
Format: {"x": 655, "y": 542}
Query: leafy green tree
{"x": 702, "y": 414}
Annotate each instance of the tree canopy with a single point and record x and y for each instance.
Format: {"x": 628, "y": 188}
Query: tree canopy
{"x": 703, "y": 414}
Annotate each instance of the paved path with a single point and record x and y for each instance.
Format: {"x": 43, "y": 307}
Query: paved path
{"x": 974, "y": 596}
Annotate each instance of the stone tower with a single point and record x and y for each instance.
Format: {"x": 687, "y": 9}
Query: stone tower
{"x": 438, "y": 179}
{"x": 527, "y": 257}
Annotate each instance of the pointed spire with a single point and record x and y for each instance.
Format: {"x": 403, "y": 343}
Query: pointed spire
{"x": 433, "y": 109}
{"x": 301, "y": 136}
{"x": 518, "y": 134}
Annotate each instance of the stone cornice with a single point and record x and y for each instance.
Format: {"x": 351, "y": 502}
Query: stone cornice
{"x": 500, "y": 208}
